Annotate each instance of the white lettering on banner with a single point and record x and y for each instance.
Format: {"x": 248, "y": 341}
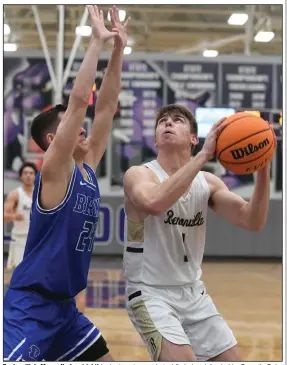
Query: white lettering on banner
{"x": 236, "y": 96}
{"x": 146, "y": 84}
{"x": 137, "y": 75}
{"x": 184, "y": 77}
{"x": 149, "y": 103}
{"x": 126, "y": 122}
{"x": 149, "y": 113}
{"x": 247, "y": 69}
{"x": 201, "y": 85}
{"x": 127, "y": 113}
{"x": 138, "y": 66}
{"x": 149, "y": 94}
{"x": 192, "y": 68}
{"x": 247, "y": 87}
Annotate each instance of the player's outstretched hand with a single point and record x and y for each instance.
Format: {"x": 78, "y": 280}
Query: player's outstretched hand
{"x": 99, "y": 30}
{"x": 122, "y": 38}
{"x": 210, "y": 143}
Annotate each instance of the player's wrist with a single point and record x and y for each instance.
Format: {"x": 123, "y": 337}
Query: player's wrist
{"x": 97, "y": 41}
{"x": 203, "y": 157}
{"x": 265, "y": 171}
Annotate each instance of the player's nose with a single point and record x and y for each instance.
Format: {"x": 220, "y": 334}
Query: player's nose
{"x": 168, "y": 122}
{"x": 82, "y": 132}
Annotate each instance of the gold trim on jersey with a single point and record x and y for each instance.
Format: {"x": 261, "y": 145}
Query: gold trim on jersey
{"x": 135, "y": 231}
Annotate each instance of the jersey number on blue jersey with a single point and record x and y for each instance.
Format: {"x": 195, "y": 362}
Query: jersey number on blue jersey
{"x": 86, "y": 238}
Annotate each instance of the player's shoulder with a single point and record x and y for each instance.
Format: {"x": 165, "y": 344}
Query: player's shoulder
{"x": 14, "y": 193}
{"x": 213, "y": 181}
{"x": 138, "y": 173}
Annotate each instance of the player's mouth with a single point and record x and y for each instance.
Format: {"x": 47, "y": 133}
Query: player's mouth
{"x": 168, "y": 132}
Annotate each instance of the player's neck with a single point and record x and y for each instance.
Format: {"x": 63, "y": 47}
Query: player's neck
{"x": 80, "y": 164}
{"x": 171, "y": 161}
{"x": 28, "y": 189}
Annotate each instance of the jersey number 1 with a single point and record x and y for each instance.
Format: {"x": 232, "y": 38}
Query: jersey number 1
{"x": 86, "y": 238}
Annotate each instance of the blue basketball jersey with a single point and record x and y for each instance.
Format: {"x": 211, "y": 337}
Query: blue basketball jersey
{"x": 60, "y": 240}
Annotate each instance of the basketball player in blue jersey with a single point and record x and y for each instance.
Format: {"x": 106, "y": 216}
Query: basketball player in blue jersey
{"x": 41, "y": 321}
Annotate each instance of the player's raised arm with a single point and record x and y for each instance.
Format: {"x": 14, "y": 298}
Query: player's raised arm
{"x": 63, "y": 143}
{"x": 107, "y": 100}
{"x": 250, "y": 215}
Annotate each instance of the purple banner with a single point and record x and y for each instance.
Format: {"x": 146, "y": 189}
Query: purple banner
{"x": 193, "y": 84}
{"x": 27, "y": 90}
{"x": 247, "y": 86}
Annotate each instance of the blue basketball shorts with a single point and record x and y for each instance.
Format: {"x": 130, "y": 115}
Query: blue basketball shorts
{"x": 37, "y": 328}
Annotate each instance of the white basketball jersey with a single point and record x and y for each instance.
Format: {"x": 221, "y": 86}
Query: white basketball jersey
{"x": 21, "y": 228}
{"x": 168, "y": 249}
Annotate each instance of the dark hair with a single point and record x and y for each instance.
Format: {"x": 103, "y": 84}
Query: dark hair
{"x": 44, "y": 123}
{"x": 176, "y": 108}
{"x": 28, "y": 164}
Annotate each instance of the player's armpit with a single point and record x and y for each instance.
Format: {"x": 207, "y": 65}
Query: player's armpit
{"x": 54, "y": 187}
{"x": 10, "y": 206}
{"x": 139, "y": 186}
{"x": 228, "y": 205}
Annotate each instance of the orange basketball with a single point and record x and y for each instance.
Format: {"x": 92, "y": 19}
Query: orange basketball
{"x": 246, "y": 144}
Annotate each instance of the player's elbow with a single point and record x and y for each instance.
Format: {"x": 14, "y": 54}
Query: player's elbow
{"x": 78, "y": 100}
{"x": 153, "y": 207}
{"x": 254, "y": 225}
{"x": 154, "y": 210}
{"x": 149, "y": 206}
{"x": 257, "y": 227}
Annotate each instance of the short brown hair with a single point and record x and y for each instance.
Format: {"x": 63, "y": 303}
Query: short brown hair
{"x": 177, "y": 108}
{"x": 46, "y": 122}
{"x": 28, "y": 164}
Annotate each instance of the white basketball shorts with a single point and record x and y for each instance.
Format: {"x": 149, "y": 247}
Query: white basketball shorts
{"x": 16, "y": 251}
{"x": 181, "y": 315}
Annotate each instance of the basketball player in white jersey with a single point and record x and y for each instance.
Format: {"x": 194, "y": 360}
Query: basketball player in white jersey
{"x": 17, "y": 210}
{"x": 166, "y": 203}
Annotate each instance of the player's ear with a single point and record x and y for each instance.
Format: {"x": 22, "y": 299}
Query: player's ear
{"x": 194, "y": 139}
{"x": 49, "y": 138}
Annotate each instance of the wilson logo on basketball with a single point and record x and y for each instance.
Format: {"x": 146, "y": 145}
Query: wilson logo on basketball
{"x": 249, "y": 150}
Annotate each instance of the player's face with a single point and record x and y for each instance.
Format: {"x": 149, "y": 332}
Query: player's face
{"x": 28, "y": 176}
{"x": 173, "y": 130}
{"x": 82, "y": 144}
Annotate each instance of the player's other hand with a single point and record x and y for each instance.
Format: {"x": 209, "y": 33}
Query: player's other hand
{"x": 273, "y": 131}
{"x": 210, "y": 142}
{"x": 19, "y": 217}
{"x": 121, "y": 40}
{"x": 99, "y": 31}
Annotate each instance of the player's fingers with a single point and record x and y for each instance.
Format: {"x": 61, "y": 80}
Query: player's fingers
{"x": 102, "y": 15}
{"x": 91, "y": 11}
{"x": 220, "y": 122}
{"x": 127, "y": 22}
{"x": 112, "y": 35}
{"x": 117, "y": 14}
{"x": 220, "y": 128}
{"x": 113, "y": 13}
{"x": 112, "y": 16}
{"x": 96, "y": 10}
